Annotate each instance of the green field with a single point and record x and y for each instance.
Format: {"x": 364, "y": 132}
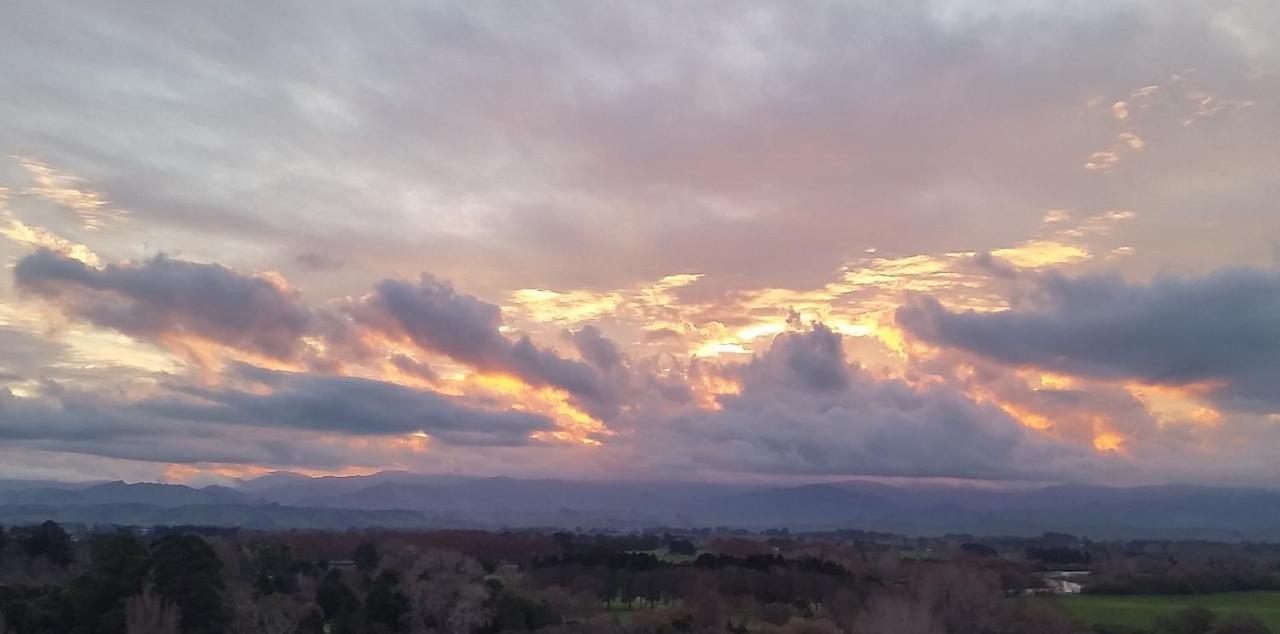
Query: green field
{"x": 1141, "y": 611}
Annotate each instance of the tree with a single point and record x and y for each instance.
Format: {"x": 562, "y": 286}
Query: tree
{"x": 366, "y": 557}
{"x": 892, "y": 614}
{"x": 118, "y": 569}
{"x": 121, "y": 557}
{"x": 447, "y": 591}
{"x": 977, "y": 550}
{"x": 48, "y": 540}
{"x": 514, "y": 613}
{"x": 385, "y": 604}
{"x": 335, "y": 598}
{"x": 682, "y": 547}
{"x": 311, "y": 623}
{"x": 966, "y": 600}
{"x": 703, "y": 601}
{"x": 147, "y": 613}
{"x": 187, "y": 572}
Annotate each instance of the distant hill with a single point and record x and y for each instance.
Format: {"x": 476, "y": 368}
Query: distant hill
{"x": 268, "y": 517}
{"x": 816, "y": 505}
{"x": 400, "y": 499}
{"x": 487, "y": 494}
{"x": 148, "y": 493}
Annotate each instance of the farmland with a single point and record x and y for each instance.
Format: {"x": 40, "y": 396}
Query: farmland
{"x": 1141, "y": 611}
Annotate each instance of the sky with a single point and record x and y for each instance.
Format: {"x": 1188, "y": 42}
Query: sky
{"x": 962, "y": 241}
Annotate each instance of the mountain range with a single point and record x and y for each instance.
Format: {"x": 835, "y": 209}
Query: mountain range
{"x": 407, "y": 500}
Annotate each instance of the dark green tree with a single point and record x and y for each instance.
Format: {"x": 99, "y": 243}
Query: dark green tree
{"x": 277, "y": 569}
{"x": 311, "y": 623}
{"x": 386, "y": 607}
{"x": 118, "y": 569}
{"x": 187, "y": 572}
{"x": 48, "y": 540}
{"x": 366, "y": 557}
{"x": 334, "y": 597}
{"x": 514, "y": 613}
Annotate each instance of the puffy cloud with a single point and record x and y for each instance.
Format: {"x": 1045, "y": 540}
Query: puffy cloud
{"x": 803, "y": 409}
{"x": 757, "y": 148}
{"x": 1220, "y": 331}
{"x": 809, "y": 362}
{"x": 167, "y": 300}
{"x": 437, "y": 318}
{"x": 598, "y": 350}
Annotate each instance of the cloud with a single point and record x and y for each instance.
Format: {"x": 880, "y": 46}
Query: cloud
{"x": 349, "y": 405}
{"x": 809, "y": 362}
{"x": 803, "y": 409}
{"x": 260, "y": 417}
{"x": 1220, "y": 331}
{"x": 165, "y": 299}
{"x": 596, "y": 349}
{"x": 64, "y": 414}
{"x": 318, "y": 262}
{"x": 503, "y": 148}
{"x": 437, "y": 318}
{"x": 20, "y": 232}
{"x": 92, "y": 210}
{"x": 27, "y": 355}
{"x": 734, "y": 120}
{"x": 668, "y": 335}
{"x": 413, "y": 367}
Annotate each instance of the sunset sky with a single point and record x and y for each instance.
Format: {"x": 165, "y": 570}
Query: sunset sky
{"x": 1007, "y": 242}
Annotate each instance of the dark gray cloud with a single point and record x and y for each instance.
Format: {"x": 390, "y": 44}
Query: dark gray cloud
{"x": 351, "y": 406}
{"x": 803, "y": 409}
{"x": 288, "y": 420}
{"x": 64, "y": 415}
{"x": 809, "y": 362}
{"x": 164, "y": 298}
{"x": 413, "y": 367}
{"x": 1222, "y": 330}
{"x": 597, "y": 349}
{"x": 435, "y": 317}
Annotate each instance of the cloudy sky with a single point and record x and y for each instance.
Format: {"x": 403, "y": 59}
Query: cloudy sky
{"x": 968, "y": 240}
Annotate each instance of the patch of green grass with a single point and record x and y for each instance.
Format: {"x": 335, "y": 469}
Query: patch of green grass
{"x": 1141, "y": 611}
{"x": 665, "y": 554}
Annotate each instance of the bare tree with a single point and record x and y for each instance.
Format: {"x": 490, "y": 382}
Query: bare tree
{"x": 447, "y": 591}
{"x": 147, "y": 613}
{"x": 895, "y": 614}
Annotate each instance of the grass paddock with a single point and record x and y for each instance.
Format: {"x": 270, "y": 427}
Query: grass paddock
{"x": 1141, "y": 611}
